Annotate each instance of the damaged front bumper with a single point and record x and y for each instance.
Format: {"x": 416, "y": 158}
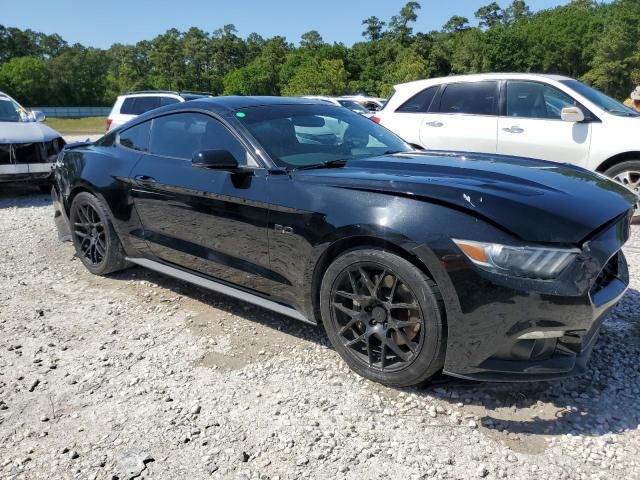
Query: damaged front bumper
{"x": 28, "y": 162}
{"x": 514, "y": 330}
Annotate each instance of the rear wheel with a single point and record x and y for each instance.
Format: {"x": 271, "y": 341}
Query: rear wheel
{"x": 384, "y": 316}
{"x": 94, "y": 237}
{"x": 628, "y": 174}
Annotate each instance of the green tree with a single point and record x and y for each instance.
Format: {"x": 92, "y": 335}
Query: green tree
{"x": 311, "y": 40}
{"x": 399, "y": 24}
{"x": 27, "y": 78}
{"x": 456, "y": 24}
{"x": 373, "y": 28}
{"x": 324, "y": 77}
{"x": 489, "y": 15}
{"x": 518, "y": 10}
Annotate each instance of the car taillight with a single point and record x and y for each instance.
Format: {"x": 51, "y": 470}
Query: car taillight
{"x": 109, "y": 123}
{"x": 375, "y": 119}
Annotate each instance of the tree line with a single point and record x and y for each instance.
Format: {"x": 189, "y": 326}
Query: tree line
{"x": 594, "y": 42}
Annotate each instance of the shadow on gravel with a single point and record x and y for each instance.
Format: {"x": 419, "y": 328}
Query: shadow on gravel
{"x": 606, "y": 399}
{"x": 22, "y": 195}
{"x": 603, "y": 400}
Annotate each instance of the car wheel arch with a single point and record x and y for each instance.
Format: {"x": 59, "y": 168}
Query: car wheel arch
{"x": 345, "y": 244}
{"x": 619, "y": 158}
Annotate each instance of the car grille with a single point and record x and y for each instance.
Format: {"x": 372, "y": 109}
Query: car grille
{"x": 41, "y": 152}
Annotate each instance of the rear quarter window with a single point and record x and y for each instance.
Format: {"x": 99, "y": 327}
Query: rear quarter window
{"x": 140, "y": 105}
{"x": 136, "y": 138}
{"x": 420, "y": 102}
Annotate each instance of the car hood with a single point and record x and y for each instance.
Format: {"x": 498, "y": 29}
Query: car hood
{"x": 535, "y": 200}
{"x": 26, "y": 132}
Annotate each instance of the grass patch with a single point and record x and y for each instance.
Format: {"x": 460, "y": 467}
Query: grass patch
{"x": 78, "y": 126}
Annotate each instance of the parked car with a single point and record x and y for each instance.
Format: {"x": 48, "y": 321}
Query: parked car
{"x": 529, "y": 115}
{"x": 373, "y": 104}
{"x": 132, "y": 104}
{"x": 341, "y": 102}
{"x": 27, "y": 147}
{"x": 489, "y": 267}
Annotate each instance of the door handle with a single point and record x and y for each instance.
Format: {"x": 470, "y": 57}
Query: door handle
{"x": 145, "y": 179}
{"x": 434, "y": 124}
{"x": 514, "y": 129}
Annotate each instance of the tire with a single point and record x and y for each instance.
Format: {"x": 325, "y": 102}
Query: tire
{"x": 628, "y": 174}
{"x": 368, "y": 324}
{"x": 94, "y": 238}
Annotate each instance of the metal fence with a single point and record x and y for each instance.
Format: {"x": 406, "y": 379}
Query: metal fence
{"x": 75, "y": 112}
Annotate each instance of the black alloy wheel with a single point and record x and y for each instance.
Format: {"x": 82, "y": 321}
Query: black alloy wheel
{"x": 90, "y": 233}
{"x": 384, "y": 316}
{"x": 377, "y": 316}
{"x": 94, "y": 237}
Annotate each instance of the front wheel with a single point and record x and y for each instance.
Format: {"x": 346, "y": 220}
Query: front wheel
{"x": 628, "y": 174}
{"x": 384, "y": 316}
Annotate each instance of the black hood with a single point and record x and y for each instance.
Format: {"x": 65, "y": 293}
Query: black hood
{"x": 535, "y": 200}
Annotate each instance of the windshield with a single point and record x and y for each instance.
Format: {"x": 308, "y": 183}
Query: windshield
{"x": 10, "y": 111}
{"x": 353, "y": 106}
{"x": 302, "y": 135}
{"x": 603, "y": 101}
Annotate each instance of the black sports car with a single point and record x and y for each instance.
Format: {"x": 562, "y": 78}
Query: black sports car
{"x": 486, "y": 267}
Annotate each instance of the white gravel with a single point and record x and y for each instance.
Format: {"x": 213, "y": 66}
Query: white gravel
{"x": 138, "y": 375}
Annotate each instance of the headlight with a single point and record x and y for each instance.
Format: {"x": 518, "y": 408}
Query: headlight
{"x": 531, "y": 262}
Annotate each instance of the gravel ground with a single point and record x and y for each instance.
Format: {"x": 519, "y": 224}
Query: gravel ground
{"x": 141, "y": 376}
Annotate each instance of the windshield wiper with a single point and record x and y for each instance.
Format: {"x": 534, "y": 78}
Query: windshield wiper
{"x": 328, "y": 164}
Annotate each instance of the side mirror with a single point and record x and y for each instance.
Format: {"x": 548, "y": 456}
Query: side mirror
{"x": 214, "y": 159}
{"x": 38, "y": 116}
{"x": 572, "y": 114}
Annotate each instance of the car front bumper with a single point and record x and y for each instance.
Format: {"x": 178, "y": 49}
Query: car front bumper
{"x": 26, "y": 172}
{"x": 559, "y": 320}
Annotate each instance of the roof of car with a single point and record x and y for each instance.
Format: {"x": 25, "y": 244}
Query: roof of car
{"x": 236, "y": 102}
{"x": 223, "y": 105}
{"x": 483, "y": 76}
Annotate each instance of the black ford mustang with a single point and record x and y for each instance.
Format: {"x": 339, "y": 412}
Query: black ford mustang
{"x": 486, "y": 267}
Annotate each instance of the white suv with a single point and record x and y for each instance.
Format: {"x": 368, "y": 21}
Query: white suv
{"x": 132, "y": 104}
{"x": 541, "y": 116}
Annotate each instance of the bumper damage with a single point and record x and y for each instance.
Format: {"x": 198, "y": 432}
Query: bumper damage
{"x": 24, "y": 162}
{"x": 60, "y": 218}
{"x": 513, "y": 330}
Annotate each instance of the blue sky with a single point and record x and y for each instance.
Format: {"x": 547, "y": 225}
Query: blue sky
{"x": 103, "y": 23}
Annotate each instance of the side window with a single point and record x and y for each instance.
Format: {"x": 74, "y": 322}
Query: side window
{"x": 420, "y": 102}
{"x": 182, "y": 134}
{"x": 474, "y": 98}
{"x": 140, "y": 105}
{"x": 164, "y": 101}
{"x": 536, "y": 100}
{"x": 136, "y": 138}
{"x": 107, "y": 141}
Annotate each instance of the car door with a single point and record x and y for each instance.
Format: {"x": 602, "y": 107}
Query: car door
{"x": 407, "y": 119}
{"x": 210, "y": 221}
{"x": 532, "y": 124}
{"x": 463, "y": 117}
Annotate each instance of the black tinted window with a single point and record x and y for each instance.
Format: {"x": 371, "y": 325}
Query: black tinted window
{"x": 182, "y": 134}
{"x": 136, "y": 138}
{"x": 140, "y": 105}
{"x": 107, "y": 141}
{"x": 476, "y": 98}
{"x": 420, "y": 102}
{"x": 536, "y": 100}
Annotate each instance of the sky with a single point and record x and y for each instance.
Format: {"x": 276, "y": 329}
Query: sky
{"x": 100, "y": 24}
